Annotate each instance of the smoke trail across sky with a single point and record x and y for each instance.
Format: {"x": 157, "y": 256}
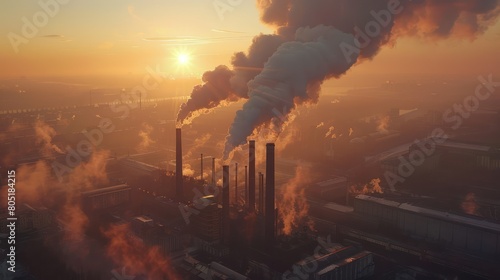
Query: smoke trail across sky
{"x": 279, "y": 71}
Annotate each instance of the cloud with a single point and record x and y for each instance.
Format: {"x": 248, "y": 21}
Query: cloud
{"x": 192, "y": 40}
{"x": 227, "y": 31}
{"x": 57, "y": 36}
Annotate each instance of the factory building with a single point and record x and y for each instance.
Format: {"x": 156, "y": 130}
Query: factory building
{"x": 29, "y": 219}
{"x": 207, "y": 223}
{"x": 479, "y": 156}
{"x": 213, "y": 270}
{"x": 358, "y": 266}
{"x": 335, "y": 262}
{"x": 106, "y": 198}
{"x": 155, "y": 234}
{"x": 468, "y": 234}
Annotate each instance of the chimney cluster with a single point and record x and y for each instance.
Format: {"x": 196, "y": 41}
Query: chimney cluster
{"x": 266, "y": 191}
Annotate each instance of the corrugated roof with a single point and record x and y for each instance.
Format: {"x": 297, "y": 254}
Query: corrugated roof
{"x": 108, "y": 189}
{"x": 465, "y": 146}
{"x": 433, "y": 213}
{"x": 338, "y": 207}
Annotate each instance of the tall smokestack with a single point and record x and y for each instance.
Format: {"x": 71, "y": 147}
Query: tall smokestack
{"x": 225, "y": 202}
{"x": 251, "y": 179}
{"x": 236, "y": 183}
{"x": 270, "y": 219}
{"x": 261, "y": 193}
{"x": 213, "y": 171}
{"x": 246, "y": 184}
{"x": 201, "y": 164}
{"x": 178, "y": 165}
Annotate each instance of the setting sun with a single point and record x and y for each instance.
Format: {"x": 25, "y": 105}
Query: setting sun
{"x": 183, "y": 59}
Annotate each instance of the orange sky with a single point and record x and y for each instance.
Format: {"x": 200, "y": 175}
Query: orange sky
{"x": 121, "y": 37}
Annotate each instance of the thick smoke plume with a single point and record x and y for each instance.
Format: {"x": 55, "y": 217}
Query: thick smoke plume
{"x": 224, "y": 85}
{"x": 292, "y": 76}
{"x": 129, "y": 252}
{"x": 37, "y": 186}
{"x": 292, "y": 206}
{"x": 287, "y": 68}
{"x": 44, "y": 134}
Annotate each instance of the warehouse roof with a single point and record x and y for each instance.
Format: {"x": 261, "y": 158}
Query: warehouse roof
{"x": 433, "y": 213}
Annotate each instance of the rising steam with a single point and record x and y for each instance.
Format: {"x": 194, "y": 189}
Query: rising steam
{"x": 44, "y": 134}
{"x": 129, "y": 252}
{"x": 145, "y": 136}
{"x": 293, "y": 207}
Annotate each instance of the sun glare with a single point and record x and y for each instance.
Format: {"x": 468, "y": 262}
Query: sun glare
{"x": 183, "y": 59}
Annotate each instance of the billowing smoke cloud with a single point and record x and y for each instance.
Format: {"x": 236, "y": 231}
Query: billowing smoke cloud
{"x": 34, "y": 181}
{"x": 145, "y": 137}
{"x": 74, "y": 245}
{"x": 292, "y": 205}
{"x": 37, "y": 183}
{"x": 44, "y": 134}
{"x": 130, "y": 253}
{"x": 187, "y": 170}
{"x": 276, "y": 72}
{"x": 292, "y": 76}
{"x": 38, "y": 187}
{"x": 214, "y": 91}
{"x": 223, "y": 85}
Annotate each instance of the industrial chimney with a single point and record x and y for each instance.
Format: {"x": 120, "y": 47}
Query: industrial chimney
{"x": 178, "y": 165}
{"x": 261, "y": 193}
{"x": 225, "y": 203}
{"x": 246, "y": 184}
{"x": 213, "y": 172}
{"x": 251, "y": 178}
{"x": 236, "y": 184}
{"x": 270, "y": 219}
{"x": 201, "y": 167}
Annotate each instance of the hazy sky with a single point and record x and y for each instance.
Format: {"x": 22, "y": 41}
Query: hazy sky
{"x": 126, "y": 36}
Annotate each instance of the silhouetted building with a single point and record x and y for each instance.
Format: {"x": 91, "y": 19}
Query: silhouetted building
{"x": 105, "y": 198}
{"x": 207, "y": 223}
